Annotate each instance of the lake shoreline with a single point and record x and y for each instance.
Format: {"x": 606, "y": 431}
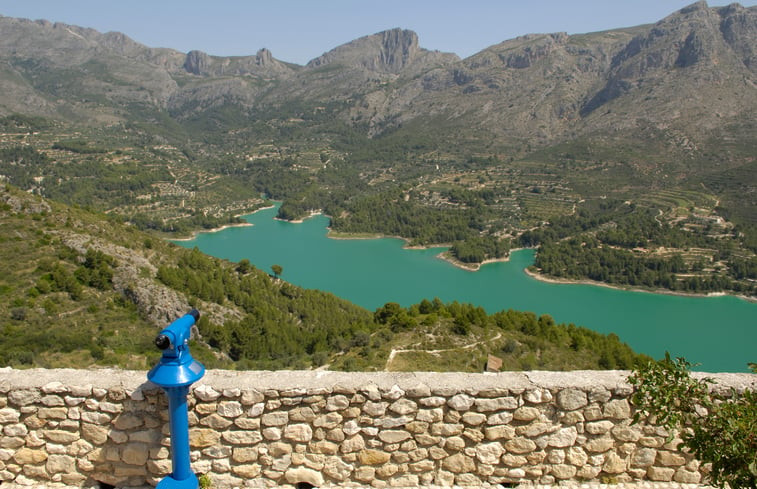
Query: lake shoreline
{"x": 628, "y": 288}
{"x": 197, "y": 232}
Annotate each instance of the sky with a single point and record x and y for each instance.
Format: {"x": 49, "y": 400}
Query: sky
{"x": 297, "y": 31}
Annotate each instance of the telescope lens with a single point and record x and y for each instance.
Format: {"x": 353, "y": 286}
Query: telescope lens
{"x": 162, "y": 341}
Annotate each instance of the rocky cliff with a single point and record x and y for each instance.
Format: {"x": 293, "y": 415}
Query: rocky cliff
{"x": 693, "y": 71}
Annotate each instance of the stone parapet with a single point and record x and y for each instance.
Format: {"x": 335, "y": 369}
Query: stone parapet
{"x": 266, "y": 429}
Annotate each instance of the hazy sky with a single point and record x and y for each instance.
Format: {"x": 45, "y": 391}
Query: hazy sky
{"x": 300, "y": 30}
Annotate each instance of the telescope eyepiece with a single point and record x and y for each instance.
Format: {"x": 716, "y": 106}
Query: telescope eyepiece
{"x": 163, "y": 342}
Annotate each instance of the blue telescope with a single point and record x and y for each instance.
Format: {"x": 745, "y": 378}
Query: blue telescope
{"x": 175, "y": 372}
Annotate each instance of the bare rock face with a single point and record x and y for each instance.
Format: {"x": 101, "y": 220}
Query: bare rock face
{"x": 197, "y": 63}
{"x": 388, "y": 52}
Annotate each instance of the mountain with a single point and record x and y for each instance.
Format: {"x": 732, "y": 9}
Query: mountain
{"x": 693, "y": 70}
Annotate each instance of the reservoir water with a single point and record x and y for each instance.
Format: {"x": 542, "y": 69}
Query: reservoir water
{"x": 719, "y": 333}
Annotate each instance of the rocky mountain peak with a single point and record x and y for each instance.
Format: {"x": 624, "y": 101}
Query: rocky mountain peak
{"x": 197, "y": 62}
{"x": 264, "y": 57}
{"x": 386, "y": 52}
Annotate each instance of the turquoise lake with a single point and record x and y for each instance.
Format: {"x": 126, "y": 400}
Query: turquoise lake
{"x": 720, "y": 333}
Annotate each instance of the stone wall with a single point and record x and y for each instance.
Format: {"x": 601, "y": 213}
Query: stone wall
{"x": 83, "y": 427}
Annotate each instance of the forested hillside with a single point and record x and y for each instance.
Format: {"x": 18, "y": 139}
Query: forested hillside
{"x": 78, "y": 288}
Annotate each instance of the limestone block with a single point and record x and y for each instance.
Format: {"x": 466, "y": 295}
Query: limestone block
{"x": 643, "y": 457}
{"x": 474, "y": 435}
{"x": 16, "y": 429}
{"x": 499, "y": 433}
{"x": 201, "y": 438}
{"x": 537, "y": 396}
{"x": 459, "y": 463}
{"x": 496, "y": 404}
{"x": 52, "y": 400}
{"x": 117, "y": 436}
{"x": 328, "y": 421}
{"x": 94, "y": 433}
{"x": 447, "y": 429}
{"x": 617, "y": 409}
{"x": 393, "y": 422}
{"x": 230, "y": 409}
{"x": 444, "y": 478}
{"x": 279, "y": 449}
{"x": 572, "y": 417}
{"x": 337, "y": 469}
{"x": 670, "y": 459}
{"x": 23, "y": 397}
{"x": 353, "y": 444}
{"x": 685, "y": 476}
{"x": 626, "y": 433}
{"x": 337, "y": 403}
{"x": 460, "y": 402}
{"x": 600, "y": 445}
{"x": 454, "y": 444}
{"x": 247, "y": 471}
{"x": 489, "y": 453}
{"x": 504, "y": 417}
{"x": 526, "y": 413}
{"x": 614, "y": 464}
{"x": 556, "y": 456}
{"x": 593, "y": 413}
{"x": 216, "y": 421}
{"x": 598, "y": 427}
{"x": 325, "y": 447}
{"x": 576, "y": 456}
{"x": 135, "y": 454}
{"x": 400, "y": 457}
{"x": 221, "y": 466}
{"x": 430, "y": 415}
{"x": 26, "y": 456}
{"x": 435, "y": 401}
{"x": 217, "y": 452}
{"x": 159, "y": 467}
{"x": 563, "y": 471}
{"x": 571, "y": 399}
{"x": 520, "y": 445}
{"x": 52, "y": 413}
{"x": 205, "y": 393}
{"x": 588, "y": 472}
{"x": 127, "y": 422}
{"x": 60, "y": 436}
{"x": 96, "y": 418}
{"x": 110, "y": 407}
{"x": 9, "y": 415}
{"x": 394, "y": 436}
{"x": 256, "y": 410}
{"x": 564, "y": 437}
{"x": 251, "y": 396}
{"x": 473, "y": 419}
{"x": 299, "y": 433}
{"x": 661, "y": 474}
{"x": 335, "y": 435}
{"x": 373, "y": 457}
{"x": 404, "y": 407}
{"x": 535, "y": 429}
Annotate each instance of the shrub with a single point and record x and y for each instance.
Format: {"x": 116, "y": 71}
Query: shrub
{"x": 716, "y": 429}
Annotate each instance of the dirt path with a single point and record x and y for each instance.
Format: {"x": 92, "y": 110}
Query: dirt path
{"x": 394, "y": 352}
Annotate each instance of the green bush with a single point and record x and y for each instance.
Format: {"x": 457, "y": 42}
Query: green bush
{"x": 718, "y": 430}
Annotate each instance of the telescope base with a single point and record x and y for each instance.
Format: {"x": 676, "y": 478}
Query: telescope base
{"x": 169, "y": 482}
